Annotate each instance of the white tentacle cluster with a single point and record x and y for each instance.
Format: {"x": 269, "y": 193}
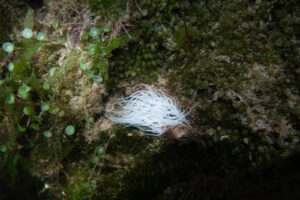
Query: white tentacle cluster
{"x": 149, "y": 110}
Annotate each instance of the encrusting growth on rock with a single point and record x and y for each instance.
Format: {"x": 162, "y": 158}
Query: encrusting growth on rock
{"x": 150, "y": 110}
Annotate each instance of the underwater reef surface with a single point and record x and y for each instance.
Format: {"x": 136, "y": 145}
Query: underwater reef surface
{"x": 233, "y": 66}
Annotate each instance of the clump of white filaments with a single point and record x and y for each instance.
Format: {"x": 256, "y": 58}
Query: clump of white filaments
{"x": 150, "y": 110}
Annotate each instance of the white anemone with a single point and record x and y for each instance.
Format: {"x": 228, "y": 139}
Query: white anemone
{"x": 149, "y": 110}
